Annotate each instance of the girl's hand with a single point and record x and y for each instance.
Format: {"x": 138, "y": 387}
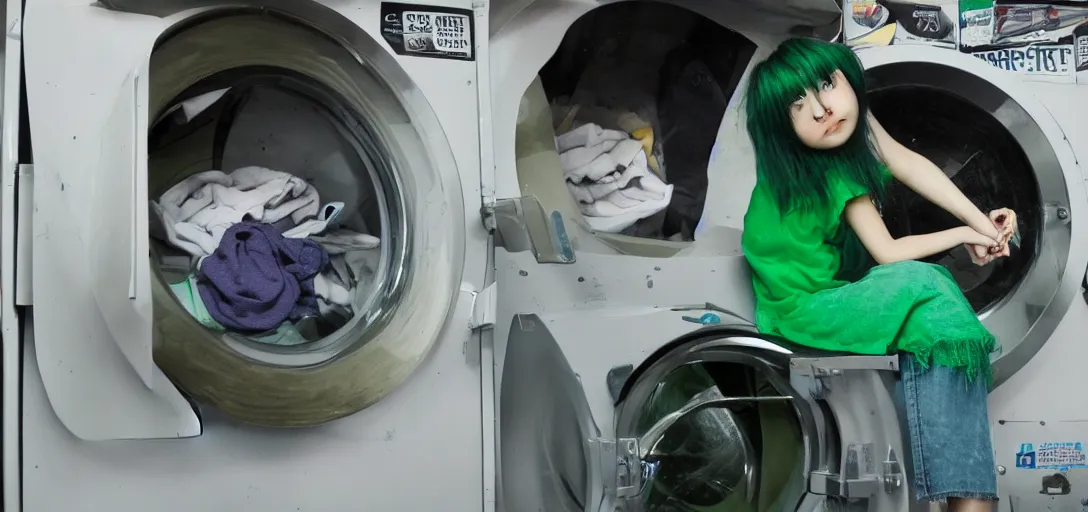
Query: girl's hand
{"x": 972, "y": 237}
{"x": 979, "y": 246}
{"x": 980, "y": 254}
{"x": 1004, "y": 220}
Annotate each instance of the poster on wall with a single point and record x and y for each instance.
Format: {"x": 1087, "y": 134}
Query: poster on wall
{"x": 1020, "y": 23}
{"x": 976, "y": 23}
{"x": 1041, "y": 62}
{"x": 885, "y": 22}
{"x": 1042, "y": 41}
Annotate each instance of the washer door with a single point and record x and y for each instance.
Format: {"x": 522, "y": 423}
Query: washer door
{"x": 93, "y": 282}
{"x": 709, "y": 422}
{"x": 1002, "y": 147}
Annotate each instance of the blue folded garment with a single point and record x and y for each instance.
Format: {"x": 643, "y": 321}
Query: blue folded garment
{"x": 256, "y": 279}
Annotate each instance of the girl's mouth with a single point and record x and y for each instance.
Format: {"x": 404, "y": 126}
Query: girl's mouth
{"x": 834, "y": 127}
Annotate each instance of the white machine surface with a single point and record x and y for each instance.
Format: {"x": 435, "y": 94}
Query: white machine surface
{"x": 589, "y": 294}
{"x": 105, "y": 425}
{"x": 497, "y": 376}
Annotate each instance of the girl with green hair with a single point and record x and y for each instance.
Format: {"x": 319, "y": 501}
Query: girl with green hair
{"x": 813, "y": 230}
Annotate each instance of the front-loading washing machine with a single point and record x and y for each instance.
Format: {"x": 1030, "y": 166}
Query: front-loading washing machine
{"x": 612, "y": 316}
{"x": 130, "y": 398}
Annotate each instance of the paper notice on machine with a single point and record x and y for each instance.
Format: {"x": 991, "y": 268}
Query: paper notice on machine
{"x": 882, "y": 23}
{"x": 1040, "y": 41}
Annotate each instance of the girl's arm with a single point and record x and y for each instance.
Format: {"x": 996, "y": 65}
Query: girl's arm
{"x": 866, "y": 222}
{"x": 918, "y": 173}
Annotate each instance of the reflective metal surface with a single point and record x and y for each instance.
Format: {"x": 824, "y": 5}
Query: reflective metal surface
{"x": 705, "y": 425}
{"x": 719, "y": 453}
{"x": 1030, "y": 307}
{"x": 545, "y": 430}
{"x": 730, "y": 462}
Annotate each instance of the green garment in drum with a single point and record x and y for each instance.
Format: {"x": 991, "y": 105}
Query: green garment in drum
{"x": 813, "y": 287}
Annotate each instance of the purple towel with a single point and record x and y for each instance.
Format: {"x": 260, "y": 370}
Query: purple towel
{"x": 256, "y": 279}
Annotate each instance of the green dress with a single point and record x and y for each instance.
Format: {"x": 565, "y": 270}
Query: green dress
{"x": 814, "y": 287}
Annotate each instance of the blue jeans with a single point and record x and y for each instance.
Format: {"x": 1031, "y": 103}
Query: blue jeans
{"x": 949, "y": 432}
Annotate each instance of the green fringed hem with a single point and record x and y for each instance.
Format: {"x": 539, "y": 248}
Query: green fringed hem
{"x": 973, "y": 357}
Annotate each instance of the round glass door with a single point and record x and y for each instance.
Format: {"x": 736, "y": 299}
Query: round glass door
{"x": 718, "y": 430}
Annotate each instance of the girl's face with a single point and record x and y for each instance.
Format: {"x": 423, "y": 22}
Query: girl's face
{"x": 826, "y": 118}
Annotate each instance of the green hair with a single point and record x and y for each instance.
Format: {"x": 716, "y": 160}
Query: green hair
{"x": 797, "y": 176}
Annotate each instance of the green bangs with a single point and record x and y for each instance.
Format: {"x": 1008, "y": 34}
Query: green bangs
{"x": 796, "y": 175}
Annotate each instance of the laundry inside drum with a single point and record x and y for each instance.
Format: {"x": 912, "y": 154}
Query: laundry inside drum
{"x": 983, "y": 160}
{"x": 635, "y": 94}
{"x": 749, "y": 456}
{"x": 268, "y": 213}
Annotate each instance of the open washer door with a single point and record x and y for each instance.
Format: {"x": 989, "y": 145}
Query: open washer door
{"x": 711, "y": 420}
{"x": 677, "y": 440}
{"x": 112, "y": 340}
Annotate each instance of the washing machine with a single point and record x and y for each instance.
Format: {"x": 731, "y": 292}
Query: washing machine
{"x": 661, "y": 395}
{"x": 130, "y": 399}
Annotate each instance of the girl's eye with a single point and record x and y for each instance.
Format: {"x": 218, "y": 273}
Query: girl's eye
{"x": 827, "y": 85}
{"x": 797, "y": 105}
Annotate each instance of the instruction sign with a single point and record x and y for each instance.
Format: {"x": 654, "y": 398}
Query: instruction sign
{"x": 428, "y": 31}
{"x": 1060, "y": 456}
{"x": 1054, "y": 61}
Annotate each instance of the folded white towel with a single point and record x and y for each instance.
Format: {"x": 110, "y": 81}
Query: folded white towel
{"x": 595, "y": 162}
{"x": 623, "y": 199}
{"x": 195, "y": 213}
{"x": 608, "y": 174}
{"x": 606, "y": 216}
{"x": 590, "y": 191}
{"x": 353, "y": 259}
{"x": 587, "y": 135}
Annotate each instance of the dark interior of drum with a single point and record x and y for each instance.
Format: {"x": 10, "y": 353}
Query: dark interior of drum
{"x": 983, "y": 159}
{"x": 674, "y": 69}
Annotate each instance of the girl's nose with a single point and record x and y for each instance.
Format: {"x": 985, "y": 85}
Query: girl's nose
{"x": 819, "y": 111}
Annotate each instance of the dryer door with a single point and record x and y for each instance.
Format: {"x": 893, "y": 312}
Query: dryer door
{"x": 708, "y": 421}
{"x": 91, "y": 280}
{"x": 115, "y": 241}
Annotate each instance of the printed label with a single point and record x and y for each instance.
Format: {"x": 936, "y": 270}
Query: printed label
{"x": 934, "y": 23}
{"x": 1052, "y": 456}
{"x": 978, "y": 27}
{"x": 1035, "y": 60}
{"x": 927, "y": 21}
{"x": 427, "y": 31}
{"x": 1082, "y": 53}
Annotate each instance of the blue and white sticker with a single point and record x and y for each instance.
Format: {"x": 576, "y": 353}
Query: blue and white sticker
{"x": 1052, "y": 456}
{"x": 1046, "y": 62}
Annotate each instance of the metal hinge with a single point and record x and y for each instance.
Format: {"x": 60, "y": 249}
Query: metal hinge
{"x": 487, "y": 215}
{"x": 856, "y": 481}
{"x": 818, "y": 371}
{"x": 623, "y": 475}
{"x": 631, "y": 473}
{"x": 484, "y": 308}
